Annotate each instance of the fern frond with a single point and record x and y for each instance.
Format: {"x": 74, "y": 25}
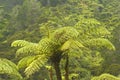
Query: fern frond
{"x": 46, "y": 46}
{"x": 105, "y": 76}
{"x": 8, "y": 67}
{"x": 35, "y": 65}
{"x": 28, "y": 50}
{"x": 66, "y": 45}
{"x": 87, "y": 22}
{"x": 99, "y": 43}
{"x": 101, "y": 31}
{"x": 24, "y": 62}
{"x": 71, "y": 44}
{"x": 76, "y": 44}
{"x": 20, "y": 43}
{"x": 93, "y": 59}
{"x": 61, "y": 35}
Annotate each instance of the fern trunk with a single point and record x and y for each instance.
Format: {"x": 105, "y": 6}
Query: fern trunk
{"x": 56, "y": 58}
{"x": 57, "y": 70}
{"x": 67, "y": 68}
{"x": 51, "y": 74}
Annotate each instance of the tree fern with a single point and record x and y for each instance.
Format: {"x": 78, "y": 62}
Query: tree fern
{"x": 64, "y": 41}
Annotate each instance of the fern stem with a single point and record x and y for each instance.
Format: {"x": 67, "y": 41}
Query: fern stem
{"x": 57, "y": 70}
{"x": 67, "y": 68}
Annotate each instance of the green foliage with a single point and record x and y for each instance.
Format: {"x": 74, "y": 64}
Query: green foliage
{"x": 105, "y": 77}
{"x": 113, "y": 69}
{"x": 46, "y": 46}
{"x": 71, "y": 44}
{"x": 90, "y": 28}
{"x": 35, "y": 65}
{"x": 92, "y": 23}
{"x": 8, "y": 67}
{"x": 27, "y": 48}
{"x": 61, "y": 35}
{"x": 20, "y": 43}
{"x": 93, "y": 59}
{"x": 32, "y": 64}
{"x": 100, "y": 43}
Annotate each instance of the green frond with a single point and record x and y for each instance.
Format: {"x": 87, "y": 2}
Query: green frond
{"x": 8, "y": 67}
{"x": 66, "y": 45}
{"x": 30, "y": 49}
{"x": 105, "y": 76}
{"x": 71, "y": 44}
{"x": 99, "y": 43}
{"x": 61, "y": 35}
{"x": 24, "y": 62}
{"x": 76, "y": 44}
{"x": 93, "y": 59}
{"x": 91, "y": 28}
{"x": 101, "y": 31}
{"x": 46, "y": 46}
{"x": 86, "y": 24}
{"x": 35, "y": 65}
{"x": 46, "y": 42}
{"x": 20, "y": 43}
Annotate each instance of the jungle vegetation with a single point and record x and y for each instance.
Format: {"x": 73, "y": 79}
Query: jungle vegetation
{"x": 59, "y": 40}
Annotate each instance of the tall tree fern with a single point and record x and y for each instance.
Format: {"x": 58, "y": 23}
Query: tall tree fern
{"x": 62, "y": 42}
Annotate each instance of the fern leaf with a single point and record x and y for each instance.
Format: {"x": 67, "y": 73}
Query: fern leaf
{"x": 63, "y": 34}
{"x": 24, "y": 62}
{"x": 35, "y": 65}
{"x": 46, "y": 46}
{"x": 28, "y": 50}
{"x": 20, "y": 43}
{"x": 105, "y": 76}
{"x": 71, "y": 44}
{"x": 66, "y": 45}
{"x": 8, "y": 67}
{"x": 77, "y": 44}
{"x": 99, "y": 43}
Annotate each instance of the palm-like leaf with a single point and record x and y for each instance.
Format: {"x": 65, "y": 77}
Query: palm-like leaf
{"x": 20, "y": 43}
{"x": 35, "y": 65}
{"x": 8, "y": 67}
{"x": 61, "y": 35}
{"x": 99, "y": 43}
{"x": 45, "y": 46}
{"x": 105, "y": 76}
{"x": 31, "y": 49}
{"x": 24, "y": 62}
{"x": 71, "y": 44}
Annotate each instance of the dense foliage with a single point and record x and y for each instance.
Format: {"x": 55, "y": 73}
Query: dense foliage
{"x": 59, "y": 39}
